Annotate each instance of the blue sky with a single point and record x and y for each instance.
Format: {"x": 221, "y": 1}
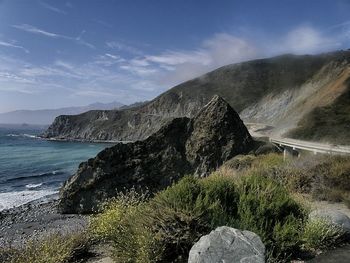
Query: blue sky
{"x": 56, "y": 53}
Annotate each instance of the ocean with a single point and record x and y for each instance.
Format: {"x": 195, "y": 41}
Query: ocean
{"x": 32, "y": 168}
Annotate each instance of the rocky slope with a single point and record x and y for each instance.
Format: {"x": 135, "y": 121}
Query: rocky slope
{"x": 277, "y": 91}
{"x": 183, "y": 146}
{"x": 330, "y": 123}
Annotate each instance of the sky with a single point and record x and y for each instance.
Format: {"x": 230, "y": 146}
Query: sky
{"x": 60, "y": 53}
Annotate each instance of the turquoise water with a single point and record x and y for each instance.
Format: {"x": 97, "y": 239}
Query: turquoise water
{"x": 32, "y": 168}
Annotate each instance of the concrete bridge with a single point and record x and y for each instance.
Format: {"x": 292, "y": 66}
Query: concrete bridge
{"x": 290, "y": 145}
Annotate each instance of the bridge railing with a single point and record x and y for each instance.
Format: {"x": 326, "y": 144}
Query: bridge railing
{"x": 311, "y": 146}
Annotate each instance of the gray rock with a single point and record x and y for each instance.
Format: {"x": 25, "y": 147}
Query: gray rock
{"x": 182, "y": 146}
{"x": 228, "y": 245}
{"x": 335, "y": 217}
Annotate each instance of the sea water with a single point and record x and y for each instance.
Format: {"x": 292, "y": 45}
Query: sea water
{"x": 32, "y": 168}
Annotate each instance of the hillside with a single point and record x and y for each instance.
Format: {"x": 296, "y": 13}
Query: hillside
{"x": 330, "y": 123}
{"x": 277, "y": 91}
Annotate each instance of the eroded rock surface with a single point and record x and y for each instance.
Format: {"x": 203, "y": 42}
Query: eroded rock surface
{"x": 183, "y": 146}
{"x": 226, "y": 244}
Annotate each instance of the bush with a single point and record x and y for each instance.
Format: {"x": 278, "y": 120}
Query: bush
{"x": 325, "y": 178}
{"x": 120, "y": 224}
{"x": 164, "y": 228}
{"x": 331, "y": 179}
{"x": 321, "y": 234}
{"x": 55, "y": 248}
{"x": 266, "y": 208}
{"x": 180, "y": 215}
{"x": 240, "y": 162}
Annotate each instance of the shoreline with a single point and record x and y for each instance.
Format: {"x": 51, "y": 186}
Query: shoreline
{"x": 82, "y": 140}
{"x": 36, "y": 220}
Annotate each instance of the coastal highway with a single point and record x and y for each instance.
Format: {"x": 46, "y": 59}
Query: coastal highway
{"x": 263, "y": 130}
{"x": 311, "y": 146}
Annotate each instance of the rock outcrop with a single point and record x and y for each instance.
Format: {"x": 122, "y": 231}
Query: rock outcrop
{"x": 226, "y": 244}
{"x": 182, "y": 146}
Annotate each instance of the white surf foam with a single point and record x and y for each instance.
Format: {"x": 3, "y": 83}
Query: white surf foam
{"x": 15, "y": 199}
{"x": 12, "y": 135}
{"x": 29, "y": 135}
{"x": 31, "y": 186}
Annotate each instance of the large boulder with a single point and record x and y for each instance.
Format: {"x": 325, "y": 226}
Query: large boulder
{"x": 334, "y": 217}
{"x": 226, "y": 244}
{"x": 182, "y": 146}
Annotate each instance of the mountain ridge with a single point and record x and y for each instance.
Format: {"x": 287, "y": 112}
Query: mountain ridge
{"x": 47, "y": 116}
{"x": 252, "y": 88}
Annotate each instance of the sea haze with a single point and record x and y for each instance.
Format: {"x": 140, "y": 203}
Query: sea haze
{"x": 32, "y": 168}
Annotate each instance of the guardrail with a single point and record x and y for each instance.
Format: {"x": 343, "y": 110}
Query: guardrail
{"x": 311, "y": 146}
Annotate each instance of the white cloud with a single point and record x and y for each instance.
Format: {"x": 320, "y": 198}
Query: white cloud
{"x": 52, "y": 8}
{"x": 8, "y": 44}
{"x": 38, "y": 31}
{"x": 306, "y": 39}
{"x": 124, "y": 47}
{"x": 177, "y": 66}
{"x": 133, "y": 75}
{"x": 35, "y": 30}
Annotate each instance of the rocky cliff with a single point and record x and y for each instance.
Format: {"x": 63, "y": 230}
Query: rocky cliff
{"x": 182, "y": 146}
{"x": 277, "y": 91}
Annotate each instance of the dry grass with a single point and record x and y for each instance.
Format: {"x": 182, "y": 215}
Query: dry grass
{"x": 323, "y": 178}
{"x": 54, "y": 248}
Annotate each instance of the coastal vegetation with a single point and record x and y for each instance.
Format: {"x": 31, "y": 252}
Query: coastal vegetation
{"x": 263, "y": 194}
{"x": 54, "y": 248}
{"x": 260, "y": 195}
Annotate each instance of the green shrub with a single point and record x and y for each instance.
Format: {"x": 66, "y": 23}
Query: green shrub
{"x": 321, "y": 234}
{"x": 240, "y": 162}
{"x": 268, "y": 161}
{"x": 180, "y": 215}
{"x": 120, "y": 224}
{"x": 266, "y": 208}
{"x": 55, "y": 248}
{"x": 165, "y": 227}
{"x": 331, "y": 179}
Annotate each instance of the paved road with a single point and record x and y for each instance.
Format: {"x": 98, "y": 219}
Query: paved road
{"x": 311, "y": 146}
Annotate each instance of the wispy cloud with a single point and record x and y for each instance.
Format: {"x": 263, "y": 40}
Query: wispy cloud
{"x": 126, "y": 73}
{"x": 38, "y": 31}
{"x": 172, "y": 67}
{"x": 124, "y": 47}
{"x": 52, "y": 8}
{"x": 35, "y": 30}
{"x": 11, "y": 45}
{"x": 306, "y": 39}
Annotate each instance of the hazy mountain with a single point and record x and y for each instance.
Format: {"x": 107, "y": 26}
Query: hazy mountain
{"x": 280, "y": 92}
{"x": 47, "y": 116}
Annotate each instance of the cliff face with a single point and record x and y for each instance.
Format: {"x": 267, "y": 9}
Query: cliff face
{"x": 182, "y": 146}
{"x": 268, "y": 91}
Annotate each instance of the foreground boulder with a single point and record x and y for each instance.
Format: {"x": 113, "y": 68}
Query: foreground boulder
{"x": 182, "y": 146}
{"x": 226, "y": 244}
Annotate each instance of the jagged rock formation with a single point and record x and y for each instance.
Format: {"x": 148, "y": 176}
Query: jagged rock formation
{"x": 277, "y": 91}
{"x": 226, "y": 244}
{"x": 183, "y": 146}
